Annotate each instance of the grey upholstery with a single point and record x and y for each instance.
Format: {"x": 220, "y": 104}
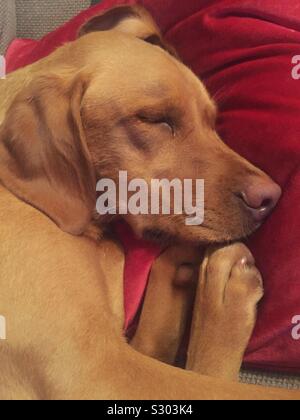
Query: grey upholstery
{"x": 271, "y": 379}
{"x": 34, "y": 19}
{"x": 37, "y": 17}
{"x": 7, "y": 23}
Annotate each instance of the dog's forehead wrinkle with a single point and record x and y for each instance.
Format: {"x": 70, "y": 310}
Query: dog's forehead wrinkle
{"x": 153, "y": 70}
{"x": 157, "y": 89}
{"x": 144, "y": 62}
{"x": 145, "y": 58}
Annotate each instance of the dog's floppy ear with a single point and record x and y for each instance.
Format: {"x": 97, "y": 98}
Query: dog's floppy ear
{"x": 44, "y": 159}
{"x": 134, "y": 20}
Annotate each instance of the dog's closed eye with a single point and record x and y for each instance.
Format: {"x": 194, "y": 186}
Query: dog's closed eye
{"x": 163, "y": 122}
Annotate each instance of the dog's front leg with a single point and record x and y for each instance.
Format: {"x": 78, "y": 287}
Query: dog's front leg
{"x": 229, "y": 289}
{"x": 168, "y": 303}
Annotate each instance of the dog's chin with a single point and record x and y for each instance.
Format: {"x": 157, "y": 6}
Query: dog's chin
{"x": 165, "y": 238}
{"x": 197, "y": 236}
{"x": 160, "y": 237}
{"x": 175, "y": 231}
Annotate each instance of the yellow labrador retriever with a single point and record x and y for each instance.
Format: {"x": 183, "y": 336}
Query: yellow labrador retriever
{"x": 119, "y": 99}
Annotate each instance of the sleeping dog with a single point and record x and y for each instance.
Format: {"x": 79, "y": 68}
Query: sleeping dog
{"x": 118, "y": 98}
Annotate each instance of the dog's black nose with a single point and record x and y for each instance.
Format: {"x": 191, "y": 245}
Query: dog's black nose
{"x": 260, "y": 198}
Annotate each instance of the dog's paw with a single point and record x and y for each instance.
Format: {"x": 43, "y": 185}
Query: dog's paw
{"x": 230, "y": 282}
{"x": 230, "y": 287}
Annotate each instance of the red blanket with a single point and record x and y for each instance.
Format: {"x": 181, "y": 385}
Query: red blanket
{"x": 243, "y": 50}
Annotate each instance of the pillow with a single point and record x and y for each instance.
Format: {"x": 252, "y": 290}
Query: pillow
{"x": 243, "y": 51}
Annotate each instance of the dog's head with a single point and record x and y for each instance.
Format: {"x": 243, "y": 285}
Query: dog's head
{"x": 118, "y": 99}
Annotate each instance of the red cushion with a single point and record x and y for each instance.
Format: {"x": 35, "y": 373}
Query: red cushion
{"x": 242, "y": 49}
